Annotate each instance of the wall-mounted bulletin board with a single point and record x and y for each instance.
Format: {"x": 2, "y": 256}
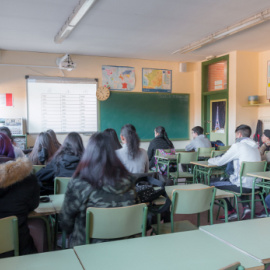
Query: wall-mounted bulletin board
{"x": 146, "y": 111}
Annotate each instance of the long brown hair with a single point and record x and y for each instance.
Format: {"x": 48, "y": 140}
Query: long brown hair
{"x": 72, "y": 145}
{"x": 99, "y": 165}
{"x": 54, "y": 138}
{"x": 43, "y": 141}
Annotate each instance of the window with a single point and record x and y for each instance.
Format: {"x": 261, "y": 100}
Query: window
{"x": 217, "y": 76}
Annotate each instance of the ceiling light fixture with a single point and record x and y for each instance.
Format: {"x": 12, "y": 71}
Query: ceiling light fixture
{"x": 76, "y": 15}
{"x": 230, "y": 30}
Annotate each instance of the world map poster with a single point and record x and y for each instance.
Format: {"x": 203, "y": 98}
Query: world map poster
{"x": 118, "y": 78}
{"x": 156, "y": 80}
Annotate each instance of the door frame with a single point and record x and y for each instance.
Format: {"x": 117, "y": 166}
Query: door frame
{"x": 212, "y": 94}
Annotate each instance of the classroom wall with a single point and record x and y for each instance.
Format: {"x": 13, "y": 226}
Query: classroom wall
{"x": 12, "y": 78}
{"x": 243, "y": 82}
{"x": 263, "y": 111}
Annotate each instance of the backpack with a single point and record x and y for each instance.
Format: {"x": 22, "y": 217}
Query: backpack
{"x": 216, "y": 144}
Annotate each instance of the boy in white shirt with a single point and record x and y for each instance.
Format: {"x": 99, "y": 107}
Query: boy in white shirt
{"x": 244, "y": 149}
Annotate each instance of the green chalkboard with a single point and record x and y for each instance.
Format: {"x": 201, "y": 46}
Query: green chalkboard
{"x": 146, "y": 111}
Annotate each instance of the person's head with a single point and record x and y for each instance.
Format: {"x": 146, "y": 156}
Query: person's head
{"x": 7, "y": 132}
{"x": 242, "y": 131}
{"x": 266, "y": 136}
{"x": 43, "y": 149}
{"x": 130, "y": 137}
{"x": 196, "y": 131}
{"x": 54, "y": 138}
{"x": 113, "y": 135}
{"x": 72, "y": 145}
{"x": 6, "y": 148}
{"x": 160, "y": 131}
{"x": 99, "y": 165}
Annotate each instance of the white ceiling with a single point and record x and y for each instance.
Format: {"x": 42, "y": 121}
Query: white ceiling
{"x": 145, "y": 29}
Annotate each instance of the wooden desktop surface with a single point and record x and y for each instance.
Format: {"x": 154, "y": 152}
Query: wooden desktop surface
{"x": 251, "y": 236}
{"x": 203, "y": 163}
{"x": 185, "y": 250}
{"x": 263, "y": 175}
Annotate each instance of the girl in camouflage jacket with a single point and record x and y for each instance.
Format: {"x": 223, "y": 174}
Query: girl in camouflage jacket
{"x": 100, "y": 180}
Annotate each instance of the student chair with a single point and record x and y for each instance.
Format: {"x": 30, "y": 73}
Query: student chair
{"x": 214, "y": 171}
{"x": 204, "y": 153}
{"x": 223, "y": 147}
{"x": 249, "y": 167}
{"x": 184, "y": 158}
{"x": 36, "y": 168}
{"x": 60, "y": 184}
{"x": 9, "y": 236}
{"x": 165, "y": 157}
{"x": 233, "y": 266}
{"x": 60, "y": 187}
{"x": 216, "y": 153}
{"x": 205, "y": 172}
{"x": 118, "y": 222}
{"x": 187, "y": 201}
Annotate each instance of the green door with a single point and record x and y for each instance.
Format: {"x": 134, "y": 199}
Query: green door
{"x": 215, "y": 117}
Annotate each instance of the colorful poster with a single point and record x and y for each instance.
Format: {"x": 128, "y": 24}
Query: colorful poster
{"x": 6, "y": 100}
{"x": 218, "y": 112}
{"x": 156, "y": 80}
{"x": 118, "y": 78}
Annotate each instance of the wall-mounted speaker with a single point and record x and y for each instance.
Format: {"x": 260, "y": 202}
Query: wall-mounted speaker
{"x": 183, "y": 67}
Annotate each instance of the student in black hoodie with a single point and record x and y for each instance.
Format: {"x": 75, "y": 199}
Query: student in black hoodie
{"x": 63, "y": 164}
{"x": 161, "y": 141}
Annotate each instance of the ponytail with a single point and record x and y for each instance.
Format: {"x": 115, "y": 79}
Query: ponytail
{"x": 133, "y": 142}
{"x": 161, "y": 131}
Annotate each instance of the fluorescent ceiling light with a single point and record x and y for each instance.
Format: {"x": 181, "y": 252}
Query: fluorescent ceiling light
{"x": 72, "y": 21}
{"x": 230, "y": 30}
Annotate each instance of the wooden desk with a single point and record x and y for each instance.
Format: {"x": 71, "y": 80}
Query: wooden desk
{"x": 60, "y": 260}
{"x": 44, "y": 209}
{"x": 251, "y": 236}
{"x": 220, "y": 195}
{"x": 263, "y": 184}
{"x": 185, "y": 250}
{"x": 203, "y": 167}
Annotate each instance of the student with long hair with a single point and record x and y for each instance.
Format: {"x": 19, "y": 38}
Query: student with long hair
{"x": 113, "y": 135}
{"x": 131, "y": 155}
{"x": 6, "y": 149}
{"x": 100, "y": 180}
{"x": 43, "y": 150}
{"x": 19, "y": 193}
{"x": 54, "y": 138}
{"x": 161, "y": 141}
{"x": 17, "y": 151}
{"x": 63, "y": 164}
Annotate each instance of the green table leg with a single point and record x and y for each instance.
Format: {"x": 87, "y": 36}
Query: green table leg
{"x": 225, "y": 209}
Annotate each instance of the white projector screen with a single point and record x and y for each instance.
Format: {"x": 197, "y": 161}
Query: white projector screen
{"x": 61, "y": 104}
